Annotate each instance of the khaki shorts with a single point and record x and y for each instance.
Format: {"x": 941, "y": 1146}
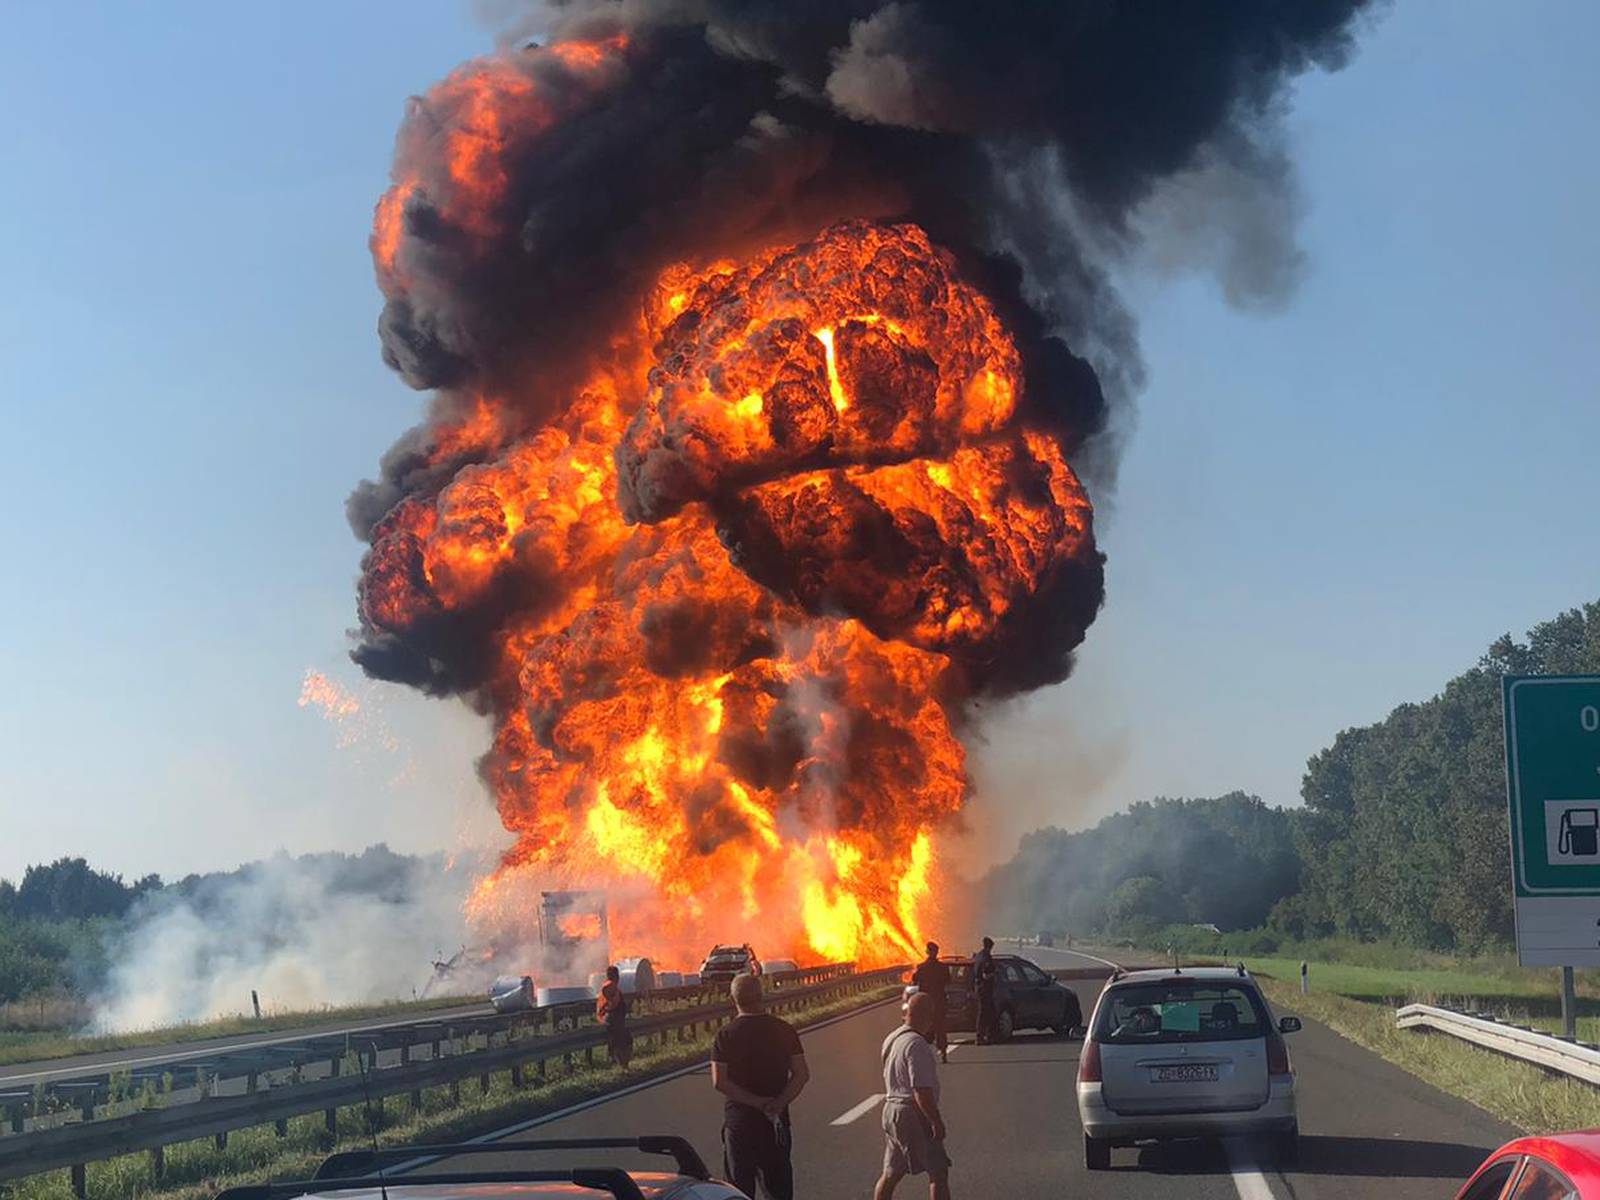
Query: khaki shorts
{"x": 909, "y": 1148}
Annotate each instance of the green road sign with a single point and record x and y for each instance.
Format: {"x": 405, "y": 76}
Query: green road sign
{"x": 1553, "y": 786}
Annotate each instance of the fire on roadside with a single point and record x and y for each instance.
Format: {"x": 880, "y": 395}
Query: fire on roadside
{"x": 730, "y": 593}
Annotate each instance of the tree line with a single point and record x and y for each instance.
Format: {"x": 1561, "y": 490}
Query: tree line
{"x": 1401, "y": 835}
{"x": 61, "y": 924}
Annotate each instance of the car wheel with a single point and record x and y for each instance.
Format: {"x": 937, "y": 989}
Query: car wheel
{"x": 1005, "y": 1025}
{"x": 1286, "y": 1148}
{"x": 1096, "y": 1153}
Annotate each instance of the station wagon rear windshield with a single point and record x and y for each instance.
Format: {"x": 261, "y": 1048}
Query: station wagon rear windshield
{"x": 1151, "y": 1014}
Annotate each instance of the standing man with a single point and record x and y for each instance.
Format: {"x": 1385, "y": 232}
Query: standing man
{"x": 932, "y": 978}
{"x": 611, "y": 1010}
{"x": 913, "y": 1128}
{"x": 984, "y": 973}
{"x": 757, "y": 1063}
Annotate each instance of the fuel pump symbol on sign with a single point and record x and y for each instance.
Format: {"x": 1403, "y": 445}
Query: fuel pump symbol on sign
{"x": 1579, "y": 834}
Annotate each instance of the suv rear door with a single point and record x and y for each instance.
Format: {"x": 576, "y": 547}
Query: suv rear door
{"x": 1183, "y": 1045}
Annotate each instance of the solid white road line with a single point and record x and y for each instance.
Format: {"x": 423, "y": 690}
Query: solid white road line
{"x": 1248, "y": 1178}
{"x": 859, "y": 1111}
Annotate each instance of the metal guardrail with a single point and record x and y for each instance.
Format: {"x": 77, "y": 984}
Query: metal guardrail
{"x": 95, "y": 1085}
{"x": 1577, "y": 1059}
{"x": 29, "y": 1147}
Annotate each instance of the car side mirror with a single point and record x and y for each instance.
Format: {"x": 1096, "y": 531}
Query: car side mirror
{"x": 1288, "y": 1024}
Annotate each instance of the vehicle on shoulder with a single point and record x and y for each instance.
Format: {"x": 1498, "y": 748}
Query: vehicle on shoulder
{"x": 512, "y": 993}
{"x": 1185, "y": 1053}
{"x": 1025, "y": 997}
{"x": 1558, "y": 1166}
{"x": 724, "y": 962}
{"x": 780, "y": 966}
{"x": 369, "y": 1173}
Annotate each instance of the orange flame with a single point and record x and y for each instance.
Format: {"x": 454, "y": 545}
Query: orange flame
{"x": 735, "y": 586}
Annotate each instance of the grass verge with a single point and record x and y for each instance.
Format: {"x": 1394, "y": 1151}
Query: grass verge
{"x": 197, "y": 1170}
{"x": 1519, "y": 1093}
{"x": 31, "y": 1046}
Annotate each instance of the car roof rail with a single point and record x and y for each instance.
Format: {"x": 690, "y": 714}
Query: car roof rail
{"x": 614, "y": 1180}
{"x": 362, "y": 1162}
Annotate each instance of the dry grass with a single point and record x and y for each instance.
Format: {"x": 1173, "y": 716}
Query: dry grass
{"x": 1523, "y": 1095}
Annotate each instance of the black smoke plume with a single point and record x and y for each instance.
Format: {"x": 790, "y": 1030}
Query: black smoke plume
{"x": 1024, "y": 136}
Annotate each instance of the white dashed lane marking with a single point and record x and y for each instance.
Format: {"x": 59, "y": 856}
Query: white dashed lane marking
{"x": 859, "y": 1111}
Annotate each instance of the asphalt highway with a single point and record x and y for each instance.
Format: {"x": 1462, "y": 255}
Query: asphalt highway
{"x": 1369, "y": 1130}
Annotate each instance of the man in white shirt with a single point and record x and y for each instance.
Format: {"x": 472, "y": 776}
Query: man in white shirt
{"x": 913, "y": 1128}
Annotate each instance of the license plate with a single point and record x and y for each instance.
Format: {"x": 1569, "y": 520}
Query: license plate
{"x": 1188, "y": 1073}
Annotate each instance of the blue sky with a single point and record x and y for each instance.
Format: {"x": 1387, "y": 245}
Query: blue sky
{"x": 1322, "y": 512}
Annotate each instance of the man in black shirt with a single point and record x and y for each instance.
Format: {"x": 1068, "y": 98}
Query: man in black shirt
{"x": 984, "y": 973}
{"x": 932, "y": 978}
{"x": 758, "y": 1064}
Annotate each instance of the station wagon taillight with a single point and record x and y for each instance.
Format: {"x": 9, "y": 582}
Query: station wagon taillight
{"x": 1277, "y": 1054}
{"x": 1089, "y": 1062}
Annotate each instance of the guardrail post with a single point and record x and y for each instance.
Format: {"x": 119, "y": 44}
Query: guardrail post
{"x": 416, "y": 1093}
{"x": 1569, "y": 1004}
{"x": 516, "y": 1075}
{"x": 281, "y": 1127}
{"x": 80, "y": 1181}
{"x": 221, "y": 1140}
{"x": 483, "y": 1082}
{"x": 158, "y": 1163}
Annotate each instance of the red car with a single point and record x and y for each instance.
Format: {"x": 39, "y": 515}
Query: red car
{"x": 1563, "y": 1166}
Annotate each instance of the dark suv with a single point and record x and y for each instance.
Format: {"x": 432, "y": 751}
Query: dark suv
{"x": 724, "y": 962}
{"x": 1025, "y": 997}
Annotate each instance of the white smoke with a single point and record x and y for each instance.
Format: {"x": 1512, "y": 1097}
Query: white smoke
{"x": 303, "y": 933}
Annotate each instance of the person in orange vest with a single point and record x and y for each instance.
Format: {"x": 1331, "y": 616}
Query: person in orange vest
{"x": 611, "y": 1010}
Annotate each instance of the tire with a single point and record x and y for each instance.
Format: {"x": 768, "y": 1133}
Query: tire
{"x": 1005, "y": 1024}
{"x": 1096, "y": 1153}
{"x": 1286, "y": 1148}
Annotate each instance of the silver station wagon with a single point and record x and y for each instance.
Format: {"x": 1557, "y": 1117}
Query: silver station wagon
{"x": 1184, "y": 1054}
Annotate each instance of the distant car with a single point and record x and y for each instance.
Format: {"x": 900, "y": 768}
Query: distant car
{"x": 357, "y": 1175}
{"x": 724, "y": 962}
{"x": 512, "y": 993}
{"x": 1025, "y": 998}
{"x": 780, "y": 966}
{"x": 1047, "y": 940}
{"x": 1184, "y": 1054}
{"x": 1562, "y": 1166}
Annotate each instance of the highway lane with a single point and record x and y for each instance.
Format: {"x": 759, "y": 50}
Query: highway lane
{"x": 1370, "y": 1130}
{"x": 45, "y": 1070}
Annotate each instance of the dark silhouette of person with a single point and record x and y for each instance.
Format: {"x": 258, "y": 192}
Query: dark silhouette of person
{"x": 932, "y": 978}
{"x": 985, "y": 975}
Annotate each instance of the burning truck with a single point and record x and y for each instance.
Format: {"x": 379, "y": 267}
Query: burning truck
{"x": 748, "y": 477}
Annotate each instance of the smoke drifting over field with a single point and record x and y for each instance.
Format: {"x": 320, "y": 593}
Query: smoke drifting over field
{"x": 303, "y": 932}
{"x": 770, "y": 342}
